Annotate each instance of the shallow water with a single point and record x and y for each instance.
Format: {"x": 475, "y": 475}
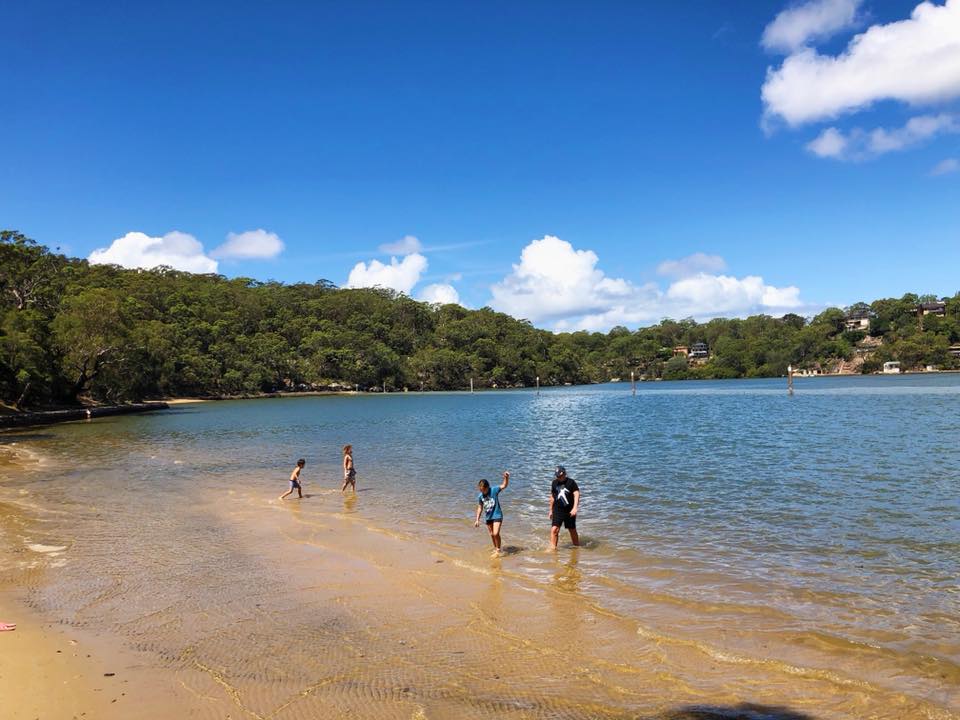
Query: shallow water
{"x": 740, "y": 546}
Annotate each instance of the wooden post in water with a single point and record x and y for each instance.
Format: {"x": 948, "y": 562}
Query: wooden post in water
{"x": 538, "y": 384}
{"x": 384, "y": 387}
{"x": 790, "y": 380}
{"x": 633, "y": 383}
{"x": 471, "y": 384}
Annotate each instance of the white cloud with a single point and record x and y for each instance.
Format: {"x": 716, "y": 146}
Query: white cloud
{"x": 138, "y": 250}
{"x": 407, "y": 245}
{"x": 400, "y": 275}
{"x": 691, "y": 265}
{"x": 831, "y": 143}
{"x": 559, "y": 285}
{"x": 860, "y": 144}
{"x": 554, "y": 281}
{"x": 814, "y": 20}
{"x": 251, "y": 244}
{"x": 719, "y": 294}
{"x": 915, "y": 61}
{"x": 442, "y": 293}
{"x": 945, "y": 167}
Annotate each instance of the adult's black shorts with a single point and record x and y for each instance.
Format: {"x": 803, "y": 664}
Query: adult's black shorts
{"x": 569, "y": 522}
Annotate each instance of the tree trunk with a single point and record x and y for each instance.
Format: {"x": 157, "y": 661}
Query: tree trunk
{"x": 23, "y": 396}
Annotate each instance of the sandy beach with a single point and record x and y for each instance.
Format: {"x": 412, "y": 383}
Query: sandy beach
{"x": 373, "y": 625}
{"x": 156, "y": 546}
{"x": 46, "y": 673}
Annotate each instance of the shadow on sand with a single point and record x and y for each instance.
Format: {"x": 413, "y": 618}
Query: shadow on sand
{"x": 744, "y": 711}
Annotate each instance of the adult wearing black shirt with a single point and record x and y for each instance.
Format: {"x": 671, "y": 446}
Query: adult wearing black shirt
{"x": 564, "y": 503}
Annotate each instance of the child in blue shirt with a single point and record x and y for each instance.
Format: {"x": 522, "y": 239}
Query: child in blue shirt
{"x": 488, "y": 505}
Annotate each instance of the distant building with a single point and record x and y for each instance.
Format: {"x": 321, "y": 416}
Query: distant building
{"x": 954, "y": 350}
{"x": 699, "y": 351}
{"x": 857, "y": 321}
{"x": 932, "y": 308}
{"x": 681, "y": 351}
{"x": 891, "y": 368}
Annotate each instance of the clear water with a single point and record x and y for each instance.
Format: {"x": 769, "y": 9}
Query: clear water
{"x": 820, "y": 530}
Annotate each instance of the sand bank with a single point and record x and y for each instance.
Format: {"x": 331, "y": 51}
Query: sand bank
{"x": 47, "y": 674}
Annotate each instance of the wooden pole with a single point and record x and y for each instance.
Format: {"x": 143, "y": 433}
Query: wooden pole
{"x": 471, "y": 384}
{"x": 790, "y": 380}
{"x": 538, "y": 384}
{"x": 633, "y": 383}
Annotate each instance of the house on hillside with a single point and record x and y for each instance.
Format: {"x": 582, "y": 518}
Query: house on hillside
{"x": 954, "y": 350}
{"x": 932, "y": 308}
{"x": 699, "y": 351}
{"x": 857, "y": 321}
{"x": 681, "y": 351}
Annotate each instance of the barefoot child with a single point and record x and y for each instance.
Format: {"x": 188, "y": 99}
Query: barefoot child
{"x": 488, "y": 504}
{"x": 295, "y": 479}
{"x": 349, "y": 471}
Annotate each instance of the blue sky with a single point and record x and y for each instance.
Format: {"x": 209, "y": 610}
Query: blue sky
{"x": 548, "y": 158}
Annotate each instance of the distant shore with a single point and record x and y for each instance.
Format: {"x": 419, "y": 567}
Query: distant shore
{"x": 12, "y": 419}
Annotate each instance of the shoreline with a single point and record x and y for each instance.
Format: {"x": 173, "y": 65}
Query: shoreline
{"x": 14, "y": 420}
{"x": 50, "y": 417}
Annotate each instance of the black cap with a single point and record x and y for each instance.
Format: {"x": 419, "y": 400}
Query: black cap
{"x": 561, "y": 470}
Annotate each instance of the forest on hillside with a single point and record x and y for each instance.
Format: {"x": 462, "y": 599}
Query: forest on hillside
{"x": 74, "y": 332}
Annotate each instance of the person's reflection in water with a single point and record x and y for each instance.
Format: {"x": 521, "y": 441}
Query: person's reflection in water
{"x": 350, "y": 503}
{"x": 568, "y": 576}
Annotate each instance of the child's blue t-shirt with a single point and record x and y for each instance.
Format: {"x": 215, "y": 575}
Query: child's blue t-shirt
{"x": 491, "y": 504}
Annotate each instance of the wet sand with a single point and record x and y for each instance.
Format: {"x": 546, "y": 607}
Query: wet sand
{"x": 210, "y": 599}
{"x": 46, "y": 673}
{"x": 336, "y": 616}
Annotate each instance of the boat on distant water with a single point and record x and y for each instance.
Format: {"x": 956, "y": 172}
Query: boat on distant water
{"x": 891, "y": 367}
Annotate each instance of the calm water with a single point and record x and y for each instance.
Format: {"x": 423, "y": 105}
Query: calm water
{"x": 816, "y": 535}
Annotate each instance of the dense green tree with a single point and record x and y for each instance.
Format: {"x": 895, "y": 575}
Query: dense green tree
{"x": 71, "y": 331}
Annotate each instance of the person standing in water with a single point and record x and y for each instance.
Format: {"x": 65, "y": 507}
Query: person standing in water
{"x": 295, "y": 480}
{"x": 488, "y": 505}
{"x": 564, "y": 504}
{"x": 349, "y": 471}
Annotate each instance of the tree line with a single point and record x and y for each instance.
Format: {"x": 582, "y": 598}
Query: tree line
{"x": 72, "y": 332}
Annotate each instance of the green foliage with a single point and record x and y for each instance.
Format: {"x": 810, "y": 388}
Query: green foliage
{"x": 69, "y": 330}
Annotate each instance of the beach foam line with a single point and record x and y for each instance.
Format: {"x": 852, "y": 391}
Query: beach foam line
{"x": 46, "y": 549}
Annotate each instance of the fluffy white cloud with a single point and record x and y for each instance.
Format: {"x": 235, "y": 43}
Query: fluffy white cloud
{"x": 945, "y": 167}
{"x": 814, "y": 20}
{"x": 555, "y": 281}
{"x": 556, "y": 284}
{"x": 720, "y": 294}
{"x": 252, "y": 244}
{"x": 441, "y": 293}
{"x": 691, "y": 265}
{"x": 400, "y": 275}
{"x": 831, "y": 143}
{"x": 858, "y": 144}
{"x": 139, "y": 250}
{"x": 916, "y": 61}
{"x": 406, "y": 245}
